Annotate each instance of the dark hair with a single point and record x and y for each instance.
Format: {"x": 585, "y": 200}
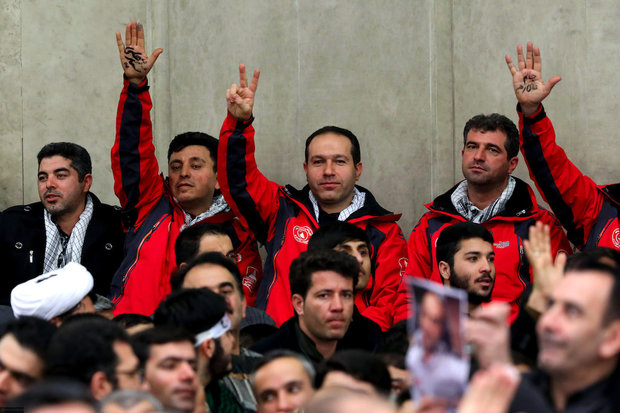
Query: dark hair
{"x": 83, "y": 346}
{"x": 79, "y": 157}
{"x": 331, "y": 235}
{"x": 142, "y": 341}
{"x": 128, "y": 320}
{"x": 309, "y": 262}
{"x": 285, "y": 353}
{"x": 594, "y": 254}
{"x": 495, "y": 122}
{"x": 214, "y": 258}
{"x": 188, "y": 242}
{"x": 612, "y": 313}
{"x": 450, "y": 238}
{"x": 355, "y": 145}
{"x": 32, "y": 333}
{"x": 186, "y": 139}
{"x": 361, "y": 365}
{"x": 52, "y": 392}
{"x": 194, "y": 309}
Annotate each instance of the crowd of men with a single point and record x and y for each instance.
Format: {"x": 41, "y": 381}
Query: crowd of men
{"x": 165, "y": 303}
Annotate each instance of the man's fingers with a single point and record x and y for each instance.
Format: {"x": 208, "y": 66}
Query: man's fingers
{"x": 529, "y": 57}
{"x": 119, "y": 43}
{"x": 128, "y": 34}
{"x": 537, "y": 60}
{"x": 134, "y": 34}
{"x": 154, "y": 56}
{"x": 243, "y": 77}
{"x": 560, "y": 261}
{"x": 254, "y": 83}
{"x": 520, "y": 57}
{"x": 553, "y": 81}
{"x": 140, "y": 35}
{"x": 511, "y": 66}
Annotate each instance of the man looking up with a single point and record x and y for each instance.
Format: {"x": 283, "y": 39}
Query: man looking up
{"x": 490, "y": 196}
{"x": 466, "y": 260}
{"x": 157, "y": 209}
{"x": 284, "y": 218}
{"x": 69, "y": 224}
{"x": 589, "y": 212}
{"x": 168, "y": 359}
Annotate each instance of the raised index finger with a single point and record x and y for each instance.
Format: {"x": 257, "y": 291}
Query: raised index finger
{"x": 520, "y": 57}
{"x": 243, "y": 78}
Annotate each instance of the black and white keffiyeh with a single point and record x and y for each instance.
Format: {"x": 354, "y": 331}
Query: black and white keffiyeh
{"x": 61, "y": 249}
{"x": 467, "y": 209}
{"x": 359, "y": 198}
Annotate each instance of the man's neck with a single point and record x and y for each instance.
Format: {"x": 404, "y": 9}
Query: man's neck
{"x": 236, "y": 347}
{"x": 327, "y": 348}
{"x": 196, "y": 208}
{"x": 562, "y": 387}
{"x": 67, "y": 222}
{"x": 483, "y": 195}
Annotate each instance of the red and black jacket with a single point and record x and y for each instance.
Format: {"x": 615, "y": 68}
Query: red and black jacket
{"x": 588, "y": 211}
{"x": 282, "y": 219}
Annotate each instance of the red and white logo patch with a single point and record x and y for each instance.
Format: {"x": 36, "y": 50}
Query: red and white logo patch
{"x": 402, "y": 261}
{"x": 302, "y": 234}
{"x": 615, "y": 238}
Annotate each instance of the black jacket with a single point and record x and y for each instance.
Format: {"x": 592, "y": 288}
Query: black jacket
{"x": 22, "y": 246}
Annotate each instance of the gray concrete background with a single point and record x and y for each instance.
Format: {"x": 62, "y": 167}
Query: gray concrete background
{"x": 404, "y": 75}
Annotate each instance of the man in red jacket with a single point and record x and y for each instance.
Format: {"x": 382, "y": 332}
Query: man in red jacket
{"x": 589, "y": 212}
{"x": 284, "y": 218}
{"x": 490, "y": 196}
{"x": 157, "y": 209}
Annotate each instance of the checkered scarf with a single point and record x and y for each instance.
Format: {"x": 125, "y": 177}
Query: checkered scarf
{"x": 61, "y": 249}
{"x": 468, "y": 210}
{"x": 218, "y": 205}
{"x": 358, "y": 201}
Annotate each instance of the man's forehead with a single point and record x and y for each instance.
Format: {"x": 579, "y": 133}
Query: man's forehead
{"x": 214, "y": 243}
{"x": 327, "y": 279}
{"x": 210, "y": 275}
{"x": 496, "y": 136}
{"x": 352, "y": 243}
{"x": 329, "y": 142}
{"x": 475, "y": 244}
{"x": 174, "y": 349}
{"x": 590, "y": 288}
{"x": 51, "y": 163}
{"x": 284, "y": 368}
{"x": 191, "y": 151}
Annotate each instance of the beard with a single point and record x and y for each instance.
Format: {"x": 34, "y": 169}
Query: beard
{"x": 219, "y": 365}
{"x": 473, "y": 297}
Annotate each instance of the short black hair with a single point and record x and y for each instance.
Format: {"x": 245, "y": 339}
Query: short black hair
{"x": 495, "y": 122}
{"x": 355, "y": 144}
{"x": 331, "y": 235}
{"x": 128, "y": 320}
{"x": 142, "y": 341}
{"x": 361, "y": 365}
{"x": 188, "y": 242}
{"x": 83, "y": 346}
{"x": 450, "y": 238}
{"x": 593, "y": 254}
{"x": 194, "y": 309}
{"x": 79, "y": 157}
{"x": 186, "y": 139}
{"x": 32, "y": 333}
{"x": 309, "y": 262}
{"x": 51, "y": 392}
{"x": 214, "y": 258}
{"x": 612, "y": 313}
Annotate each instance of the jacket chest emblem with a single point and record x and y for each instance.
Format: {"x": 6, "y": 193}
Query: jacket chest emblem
{"x": 501, "y": 244}
{"x": 302, "y": 234}
{"x": 615, "y": 238}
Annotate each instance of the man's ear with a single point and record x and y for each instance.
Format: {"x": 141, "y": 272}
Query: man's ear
{"x": 207, "y": 348}
{"x": 88, "y": 182}
{"x": 512, "y": 164}
{"x": 610, "y": 347}
{"x": 444, "y": 271}
{"x": 358, "y": 171}
{"x": 244, "y": 304}
{"x": 217, "y": 182}
{"x": 298, "y": 304}
{"x": 100, "y": 386}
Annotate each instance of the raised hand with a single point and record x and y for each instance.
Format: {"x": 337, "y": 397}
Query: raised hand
{"x": 491, "y": 390}
{"x": 547, "y": 274}
{"x": 527, "y": 81}
{"x": 136, "y": 63}
{"x": 240, "y": 99}
{"x": 487, "y": 330}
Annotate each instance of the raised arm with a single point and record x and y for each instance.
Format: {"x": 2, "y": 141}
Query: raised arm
{"x": 240, "y": 98}
{"x": 527, "y": 82}
{"x": 134, "y": 165}
{"x": 134, "y": 60}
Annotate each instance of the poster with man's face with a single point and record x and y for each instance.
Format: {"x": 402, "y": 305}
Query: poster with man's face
{"x": 437, "y": 359}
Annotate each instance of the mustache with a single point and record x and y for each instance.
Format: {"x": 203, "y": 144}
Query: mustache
{"x": 51, "y": 192}
{"x": 485, "y": 277}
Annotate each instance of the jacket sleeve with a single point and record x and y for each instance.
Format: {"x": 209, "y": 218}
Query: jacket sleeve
{"x": 253, "y": 198}
{"x": 134, "y": 165}
{"x": 251, "y": 264}
{"x": 573, "y": 197}
{"x": 390, "y": 266}
{"x": 419, "y": 265}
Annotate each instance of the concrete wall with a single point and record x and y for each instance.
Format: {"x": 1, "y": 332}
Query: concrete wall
{"x": 404, "y": 75}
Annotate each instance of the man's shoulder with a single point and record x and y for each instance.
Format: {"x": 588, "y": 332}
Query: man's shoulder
{"x": 34, "y": 209}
